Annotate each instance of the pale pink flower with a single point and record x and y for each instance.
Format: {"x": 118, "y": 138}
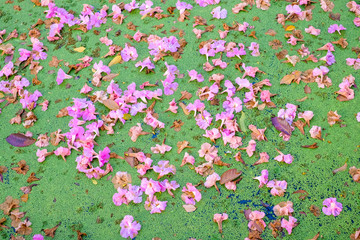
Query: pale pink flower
{"x": 167, "y": 185}
{"x": 142, "y": 168}
{"x": 212, "y": 134}
{"x": 187, "y": 159}
{"x": 231, "y": 185}
{"x": 219, "y": 218}
{"x": 61, "y": 76}
{"x": 313, "y": 31}
{"x": 264, "y": 157}
{"x": 332, "y": 207}
{"x": 283, "y": 209}
{"x": 278, "y": 188}
{"x": 172, "y": 106}
{"x": 162, "y": 149}
{"x": 358, "y": 116}
{"x": 315, "y": 132}
{"x": 61, "y": 151}
{"x": 42, "y": 154}
{"x": 211, "y": 180}
{"x": 219, "y": 13}
{"x": 190, "y": 194}
{"x": 106, "y": 41}
{"x": 254, "y": 47}
{"x": 250, "y": 149}
{"x": 307, "y": 116}
{"x": 150, "y": 187}
{"x": 284, "y": 158}
{"x": 335, "y": 27}
{"x": 256, "y": 218}
{"x": 38, "y": 237}
{"x": 85, "y": 89}
{"x": 154, "y": 205}
{"x": 129, "y": 227}
{"x": 164, "y": 168}
{"x": 263, "y": 179}
{"x": 289, "y": 225}
{"x": 42, "y": 141}
{"x": 208, "y": 151}
{"x": 120, "y": 197}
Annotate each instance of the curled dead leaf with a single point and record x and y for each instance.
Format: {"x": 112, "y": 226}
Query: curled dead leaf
{"x": 312, "y": 146}
{"x": 230, "y": 175}
{"x": 340, "y": 169}
{"x": 315, "y": 210}
{"x": 189, "y": 208}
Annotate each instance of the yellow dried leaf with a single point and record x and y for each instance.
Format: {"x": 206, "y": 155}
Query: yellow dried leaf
{"x": 94, "y": 181}
{"x": 110, "y": 104}
{"x": 289, "y": 28}
{"x": 115, "y": 60}
{"x": 79, "y": 49}
{"x": 127, "y": 116}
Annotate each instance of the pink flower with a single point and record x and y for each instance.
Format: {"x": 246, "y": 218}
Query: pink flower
{"x": 172, "y": 106}
{"x": 134, "y": 194}
{"x": 142, "y": 168}
{"x": 173, "y": 185}
{"x": 293, "y": 9}
{"x": 277, "y": 187}
{"x": 131, "y": 6}
{"x": 219, "y": 218}
{"x": 100, "y": 68}
{"x": 145, "y": 63}
{"x": 335, "y": 27}
{"x": 154, "y": 205}
{"x": 289, "y": 225}
{"x": 249, "y": 71}
{"x": 313, "y": 31}
{"x": 164, "y": 168}
{"x": 190, "y": 194}
{"x": 150, "y": 187}
{"x": 153, "y": 122}
{"x": 194, "y": 75}
{"x": 264, "y": 157}
{"x": 187, "y": 159}
{"x": 263, "y": 179}
{"x": 203, "y": 120}
{"x": 136, "y": 131}
{"x": 283, "y": 208}
{"x": 250, "y": 149}
{"x": 129, "y": 53}
{"x": 61, "y": 76}
{"x": 219, "y": 13}
{"x": 332, "y": 207}
{"x": 211, "y": 180}
{"x": 358, "y": 116}
{"x": 162, "y": 149}
{"x": 120, "y": 198}
{"x": 61, "y": 151}
{"x": 315, "y": 132}
{"x": 85, "y": 89}
{"x": 208, "y": 151}
{"x": 284, "y": 158}
{"x": 256, "y": 219}
{"x": 103, "y": 156}
{"x": 357, "y": 21}
{"x": 254, "y": 47}
{"x": 38, "y": 237}
{"x": 182, "y": 6}
{"x": 129, "y": 227}
{"x": 106, "y": 41}
{"x": 307, "y": 116}
{"x": 212, "y": 134}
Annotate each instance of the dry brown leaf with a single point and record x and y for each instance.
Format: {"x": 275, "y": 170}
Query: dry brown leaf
{"x": 307, "y": 89}
{"x": 185, "y": 95}
{"x": 287, "y": 79}
{"x": 303, "y": 194}
{"x": 3, "y": 169}
{"x": 2, "y": 220}
{"x": 355, "y": 173}
{"x": 177, "y": 125}
{"x": 281, "y": 125}
{"x": 315, "y": 210}
{"x": 62, "y": 113}
{"x": 132, "y": 161}
{"x": 312, "y": 146}
{"x": 183, "y": 107}
{"x": 230, "y": 175}
{"x": 182, "y": 145}
{"x": 9, "y": 204}
{"x": 32, "y": 178}
{"x": 316, "y": 236}
{"x": 110, "y": 104}
{"x": 342, "y": 42}
{"x": 80, "y": 235}
{"x": 50, "y": 232}
{"x": 281, "y": 55}
{"x": 23, "y": 167}
{"x": 333, "y": 117}
{"x": 302, "y": 99}
{"x": 189, "y": 208}
{"x": 275, "y": 44}
{"x": 79, "y": 49}
{"x": 271, "y": 32}
{"x": 110, "y": 77}
{"x": 54, "y": 62}
{"x": 300, "y": 125}
{"x": 23, "y": 228}
{"x": 24, "y": 197}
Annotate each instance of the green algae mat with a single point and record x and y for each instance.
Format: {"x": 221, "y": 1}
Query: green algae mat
{"x": 205, "y": 119}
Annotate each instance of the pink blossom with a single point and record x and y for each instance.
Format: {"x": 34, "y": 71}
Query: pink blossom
{"x": 41, "y": 154}
{"x": 61, "y": 151}
{"x": 327, "y": 47}
{"x": 243, "y": 83}
{"x": 164, "y": 168}
{"x": 231, "y": 186}
{"x": 203, "y": 120}
{"x": 284, "y": 158}
{"x": 307, "y": 115}
{"x": 134, "y": 194}
{"x": 254, "y": 47}
{"x": 100, "y": 68}
{"x": 143, "y": 168}
{"x": 194, "y": 75}
{"x": 212, "y": 134}
{"x": 131, "y": 6}
{"x": 315, "y": 132}
{"x": 106, "y": 41}
{"x": 154, "y": 205}
{"x": 219, "y": 13}
{"x": 218, "y": 62}
{"x": 187, "y": 159}
{"x": 150, "y": 187}
{"x": 190, "y": 194}
{"x": 162, "y": 149}
{"x": 103, "y": 156}
{"x": 263, "y": 179}
{"x": 85, "y": 89}
{"x": 264, "y": 157}
{"x": 243, "y": 27}
{"x": 256, "y": 219}
{"x": 249, "y": 71}
{"x": 153, "y": 122}
{"x": 55, "y": 30}
{"x": 336, "y": 27}
{"x": 38, "y": 237}
{"x": 129, "y": 227}
{"x": 136, "y": 131}
{"x": 169, "y": 186}
{"x": 250, "y": 149}
{"x": 358, "y": 116}
{"x": 129, "y": 53}
{"x": 329, "y": 58}
{"x": 283, "y": 209}
{"x": 289, "y": 225}
{"x": 219, "y": 218}
{"x": 182, "y": 6}
{"x": 313, "y": 31}
{"x": 120, "y": 198}
{"x": 223, "y": 34}
{"x": 357, "y": 21}
{"x": 208, "y": 151}
{"x": 293, "y": 9}
{"x": 277, "y": 187}
{"x": 332, "y": 207}
{"x": 211, "y": 180}
{"x": 7, "y": 70}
